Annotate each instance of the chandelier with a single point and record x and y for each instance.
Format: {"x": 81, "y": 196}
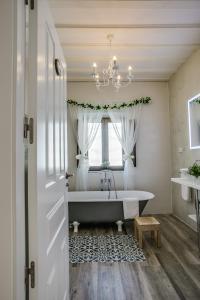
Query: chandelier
{"x": 111, "y": 74}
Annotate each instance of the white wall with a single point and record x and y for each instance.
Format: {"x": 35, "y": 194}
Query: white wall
{"x": 182, "y": 86}
{"x": 153, "y": 170}
{"x": 6, "y": 159}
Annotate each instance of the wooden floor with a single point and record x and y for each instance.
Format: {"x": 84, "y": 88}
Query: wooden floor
{"x": 172, "y": 272}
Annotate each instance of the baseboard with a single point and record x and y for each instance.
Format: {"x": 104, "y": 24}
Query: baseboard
{"x": 195, "y": 230}
{"x": 178, "y": 218}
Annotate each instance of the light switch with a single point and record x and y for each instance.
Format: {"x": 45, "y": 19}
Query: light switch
{"x": 180, "y": 150}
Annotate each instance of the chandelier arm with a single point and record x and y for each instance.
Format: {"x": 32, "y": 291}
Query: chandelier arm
{"x": 123, "y": 85}
{"x": 102, "y": 84}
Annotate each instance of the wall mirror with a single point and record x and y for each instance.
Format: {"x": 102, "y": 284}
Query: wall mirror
{"x": 194, "y": 121}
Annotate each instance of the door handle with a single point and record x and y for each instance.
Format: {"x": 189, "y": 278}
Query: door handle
{"x": 68, "y": 175}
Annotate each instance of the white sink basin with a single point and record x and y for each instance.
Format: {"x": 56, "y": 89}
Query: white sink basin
{"x": 187, "y": 182}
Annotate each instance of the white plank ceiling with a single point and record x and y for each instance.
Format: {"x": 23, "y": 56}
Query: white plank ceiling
{"x": 155, "y": 37}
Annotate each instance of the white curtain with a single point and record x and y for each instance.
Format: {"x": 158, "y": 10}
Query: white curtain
{"x": 88, "y": 123}
{"x": 130, "y": 121}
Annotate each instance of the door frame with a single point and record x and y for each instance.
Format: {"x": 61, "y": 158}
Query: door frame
{"x": 18, "y": 150}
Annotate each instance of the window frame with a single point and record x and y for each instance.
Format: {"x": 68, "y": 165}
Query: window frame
{"x": 105, "y": 149}
{"x": 104, "y": 122}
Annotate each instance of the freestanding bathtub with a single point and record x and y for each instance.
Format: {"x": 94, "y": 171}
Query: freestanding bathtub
{"x": 95, "y": 207}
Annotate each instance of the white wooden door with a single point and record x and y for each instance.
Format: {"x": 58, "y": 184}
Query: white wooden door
{"x": 48, "y": 218}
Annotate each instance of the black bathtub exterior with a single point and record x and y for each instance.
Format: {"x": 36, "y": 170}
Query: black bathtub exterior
{"x": 99, "y": 212}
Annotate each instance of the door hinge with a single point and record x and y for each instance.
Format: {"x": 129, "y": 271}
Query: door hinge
{"x": 30, "y": 272}
{"x": 28, "y": 129}
{"x": 32, "y": 3}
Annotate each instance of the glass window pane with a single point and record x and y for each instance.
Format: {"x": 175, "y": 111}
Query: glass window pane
{"x": 95, "y": 152}
{"x": 114, "y": 148}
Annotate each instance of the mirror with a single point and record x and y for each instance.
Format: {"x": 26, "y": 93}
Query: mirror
{"x": 194, "y": 121}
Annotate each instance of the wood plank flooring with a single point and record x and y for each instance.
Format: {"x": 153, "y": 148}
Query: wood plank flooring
{"x": 171, "y": 272}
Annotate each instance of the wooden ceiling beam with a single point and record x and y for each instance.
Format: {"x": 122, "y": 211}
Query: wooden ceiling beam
{"x": 126, "y": 45}
{"x": 126, "y": 26}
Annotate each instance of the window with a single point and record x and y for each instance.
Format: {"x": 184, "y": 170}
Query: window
{"x": 106, "y": 147}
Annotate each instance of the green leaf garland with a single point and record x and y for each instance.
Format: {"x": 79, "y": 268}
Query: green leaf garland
{"x": 197, "y": 100}
{"x": 143, "y": 100}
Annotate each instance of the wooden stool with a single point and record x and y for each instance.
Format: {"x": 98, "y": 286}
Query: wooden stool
{"x": 143, "y": 224}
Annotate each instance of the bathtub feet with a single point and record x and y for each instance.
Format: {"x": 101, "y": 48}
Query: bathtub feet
{"x": 75, "y": 224}
{"x": 119, "y": 224}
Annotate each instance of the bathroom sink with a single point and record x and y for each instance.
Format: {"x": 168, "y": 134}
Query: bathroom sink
{"x": 187, "y": 180}
{"x": 190, "y": 182}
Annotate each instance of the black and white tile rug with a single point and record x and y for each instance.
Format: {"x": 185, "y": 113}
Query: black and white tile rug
{"x": 104, "y": 248}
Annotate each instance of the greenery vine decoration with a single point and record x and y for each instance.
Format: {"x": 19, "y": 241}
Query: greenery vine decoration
{"x": 197, "y": 100}
{"x": 143, "y": 100}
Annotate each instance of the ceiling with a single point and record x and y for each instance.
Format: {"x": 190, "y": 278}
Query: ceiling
{"x": 155, "y": 37}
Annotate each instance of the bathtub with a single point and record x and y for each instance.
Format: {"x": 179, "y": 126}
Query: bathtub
{"x": 95, "y": 207}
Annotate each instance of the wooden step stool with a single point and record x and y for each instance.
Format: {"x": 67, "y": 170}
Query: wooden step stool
{"x": 143, "y": 224}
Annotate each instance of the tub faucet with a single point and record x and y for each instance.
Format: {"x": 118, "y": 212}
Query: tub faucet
{"x": 106, "y": 182}
{"x": 109, "y": 187}
{"x": 102, "y": 184}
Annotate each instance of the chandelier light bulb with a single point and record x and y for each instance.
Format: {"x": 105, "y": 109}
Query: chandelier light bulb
{"x": 94, "y": 65}
{"x": 114, "y": 58}
{"x": 130, "y": 71}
